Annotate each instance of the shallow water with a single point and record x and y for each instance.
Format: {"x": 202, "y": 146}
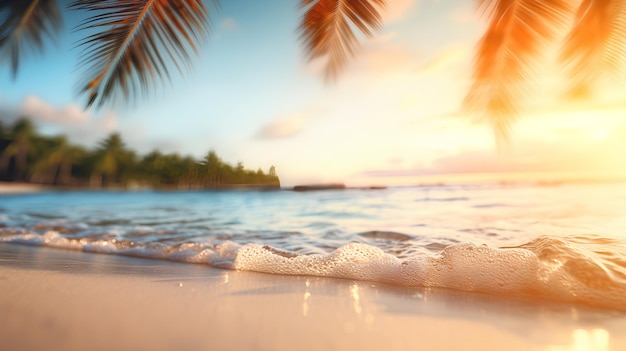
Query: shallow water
{"x": 560, "y": 242}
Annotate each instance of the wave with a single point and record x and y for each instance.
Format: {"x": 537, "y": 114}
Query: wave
{"x": 577, "y": 270}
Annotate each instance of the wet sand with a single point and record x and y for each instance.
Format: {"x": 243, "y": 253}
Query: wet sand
{"x": 65, "y": 300}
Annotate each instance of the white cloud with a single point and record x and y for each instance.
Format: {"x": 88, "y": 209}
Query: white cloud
{"x": 284, "y": 127}
{"x": 80, "y": 126}
{"x": 84, "y": 127}
{"x": 40, "y": 110}
{"x": 229, "y": 24}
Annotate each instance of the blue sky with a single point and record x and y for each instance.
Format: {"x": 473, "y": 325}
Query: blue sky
{"x": 253, "y": 97}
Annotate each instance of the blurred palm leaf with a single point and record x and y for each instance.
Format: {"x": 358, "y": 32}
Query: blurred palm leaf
{"x": 24, "y": 24}
{"x": 596, "y": 43}
{"x": 132, "y": 43}
{"x": 507, "y": 54}
{"x": 326, "y": 29}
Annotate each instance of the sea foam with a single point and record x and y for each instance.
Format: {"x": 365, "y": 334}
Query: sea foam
{"x": 548, "y": 268}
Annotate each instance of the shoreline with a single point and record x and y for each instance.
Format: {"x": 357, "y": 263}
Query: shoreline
{"x": 25, "y": 188}
{"x": 21, "y": 188}
{"x": 10, "y": 188}
{"x": 66, "y": 300}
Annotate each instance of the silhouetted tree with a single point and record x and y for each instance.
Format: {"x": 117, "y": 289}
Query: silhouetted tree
{"x": 18, "y": 149}
{"x": 55, "y": 165}
{"x": 53, "y": 160}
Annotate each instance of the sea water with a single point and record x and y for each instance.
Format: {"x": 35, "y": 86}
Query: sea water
{"x": 562, "y": 242}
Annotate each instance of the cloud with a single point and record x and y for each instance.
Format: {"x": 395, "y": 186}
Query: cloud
{"x": 592, "y": 153}
{"x": 229, "y": 24}
{"x": 450, "y": 57}
{"x": 397, "y": 10}
{"x": 377, "y": 56}
{"x": 384, "y": 57}
{"x": 483, "y": 161}
{"x": 391, "y": 58}
{"x": 284, "y": 127}
{"x": 466, "y": 162}
{"x": 39, "y": 110}
{"x": 79, "y": 125}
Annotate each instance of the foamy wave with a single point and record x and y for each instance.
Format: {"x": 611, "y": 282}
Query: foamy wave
{"x": 511, "y": 271}
{"x": 546, "y": 267}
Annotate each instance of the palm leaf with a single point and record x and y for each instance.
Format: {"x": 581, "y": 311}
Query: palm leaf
{"x": 507, "y": 55}
{"x": 596, "y": 43}
{"x": 23, "y": 25}
{"x": 326, "y": 29}
{"x": 132, "y": 44}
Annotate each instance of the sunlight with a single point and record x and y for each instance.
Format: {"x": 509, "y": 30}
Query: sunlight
{"x": 453, "y": 172}
{"x": 354, "y": 291}
{"x": 307, "y": 295}
{"x": 586, "y": 340}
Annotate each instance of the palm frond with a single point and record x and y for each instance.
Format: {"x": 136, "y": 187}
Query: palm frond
{"x": 596, "y": 43}
{"x": 133, "y": 43}
{"x": 24, "y": 25}
{"x": 326, "y": 29}
{"x": 507, "y": 55}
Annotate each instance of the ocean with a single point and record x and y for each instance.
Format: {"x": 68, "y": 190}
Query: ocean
{"x": 558, "y": 242}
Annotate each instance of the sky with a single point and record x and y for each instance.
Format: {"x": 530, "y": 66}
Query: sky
{"x": 393, "y": 117}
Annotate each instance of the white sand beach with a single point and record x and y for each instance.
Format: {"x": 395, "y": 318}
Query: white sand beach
{"x": 63, "y": 300}
{"x": 19, "y": 188}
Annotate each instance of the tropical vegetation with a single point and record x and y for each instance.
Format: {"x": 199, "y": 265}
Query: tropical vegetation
{"x": 130, "y": 45}
{"x": 26, "y": 156}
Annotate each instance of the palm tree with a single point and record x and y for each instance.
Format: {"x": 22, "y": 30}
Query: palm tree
{"x": 164, "y": 169}
{"x": 152, "y": 165}
{"x": 520, "y": 31}
{"x": 191, "y": 175}
{"x": 55, "y": 167}
{"x": 212, "y": 166}
{"x": 131, "y": 43}
{"x": 596, "y": 44}
{"x": 111, "y": 158}
{"x": 18, "y": 149}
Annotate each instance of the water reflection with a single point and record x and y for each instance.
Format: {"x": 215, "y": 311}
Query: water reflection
{"x": 307, "y": 295}
{"x": 354, "y": 291}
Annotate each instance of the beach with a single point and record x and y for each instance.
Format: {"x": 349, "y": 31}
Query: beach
{"x": 459, "y": 190}
{"x": 20, "y": 188}
{"x": 66, "y": 300}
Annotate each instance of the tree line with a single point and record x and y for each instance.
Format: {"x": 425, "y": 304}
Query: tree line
{"x": 26, "y": 156}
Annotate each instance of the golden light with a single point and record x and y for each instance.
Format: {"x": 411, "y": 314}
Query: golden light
{"x": 586, "y": 340}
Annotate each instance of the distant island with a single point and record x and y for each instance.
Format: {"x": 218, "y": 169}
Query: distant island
{"x": 334, "y": 186}
{"x": 316, "y": 187}
{"x": 27, "y": 157}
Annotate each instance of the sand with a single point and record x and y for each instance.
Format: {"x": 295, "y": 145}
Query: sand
{"x": 64, "y": 300}
{"x": 19, "y": 188}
